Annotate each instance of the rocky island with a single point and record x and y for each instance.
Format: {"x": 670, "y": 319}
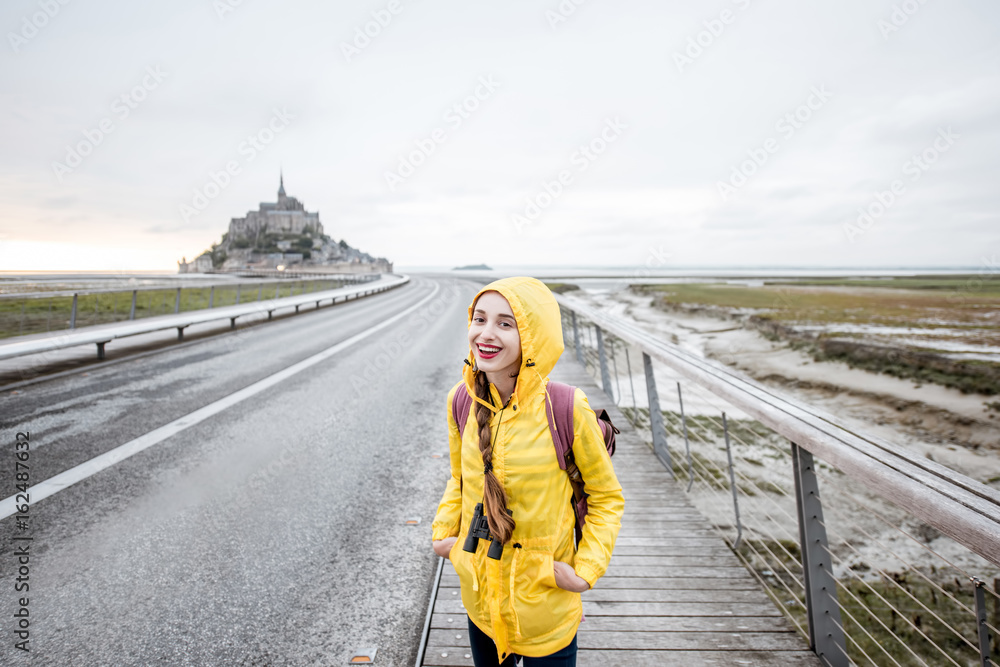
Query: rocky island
{"x": 282, "y": 234}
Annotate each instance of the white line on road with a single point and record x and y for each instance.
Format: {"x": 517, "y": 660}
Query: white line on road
{"x": 81, "y": 472}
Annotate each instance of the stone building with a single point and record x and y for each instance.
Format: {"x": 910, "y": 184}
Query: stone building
{"x": 201, "y": 264}
{"x": 288, "y": 215}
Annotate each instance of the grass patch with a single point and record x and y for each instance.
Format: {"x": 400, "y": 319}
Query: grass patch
{"x": 923, "y": 305}
{"x": 562, "y": 288}
{"x": 831, "y": 304}
{"x": 37, "y": 315}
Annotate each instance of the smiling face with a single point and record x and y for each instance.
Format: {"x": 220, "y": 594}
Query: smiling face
{"x": 493, "y": 337}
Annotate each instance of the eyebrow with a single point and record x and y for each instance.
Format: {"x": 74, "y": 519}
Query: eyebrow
{"x": 480, "y": 310}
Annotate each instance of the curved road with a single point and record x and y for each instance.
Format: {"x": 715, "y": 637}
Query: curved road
{"x": 269, "y": 533}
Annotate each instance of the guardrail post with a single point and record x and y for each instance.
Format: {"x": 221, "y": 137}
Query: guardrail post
{"x": 826, "y": 634}
{"x": 996, "y": 613}
{"x": 732, "y": 485}
{"x": 237, "y": 294}
{"x": 211, "y": 296}
{"x": 177, "y": 303}
{"x": 631, "y": 384}
{"x": 72, "y": 314}
{"x": 984, "y": 631}
{"x": 260, "y": 291}
{"x": 655, "y": 416}
{"x": 605, "y": 375}
{"x": 131, "y": 312}
{"x": 576, "y": 337}
{"x": 687, "y": 444}
{"x": 614, "y": 364}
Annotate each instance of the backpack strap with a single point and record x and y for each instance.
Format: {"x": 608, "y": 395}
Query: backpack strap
{"x": 461, "y": 403}
{"x": 561, "y": 422}
{"x": 561, "y": 417}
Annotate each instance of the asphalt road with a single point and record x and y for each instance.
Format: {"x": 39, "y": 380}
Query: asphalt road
{"x": 270, "y": 533}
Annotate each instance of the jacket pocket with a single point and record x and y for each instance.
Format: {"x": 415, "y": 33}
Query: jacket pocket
{"x": 538, "y": 605}
{"x": 465, "y": 568}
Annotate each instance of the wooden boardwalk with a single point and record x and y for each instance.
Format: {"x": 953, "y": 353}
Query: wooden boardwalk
{"x": 674, "y": 593}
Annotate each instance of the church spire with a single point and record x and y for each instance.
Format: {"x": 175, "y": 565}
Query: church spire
{"x": 281, "y": 188}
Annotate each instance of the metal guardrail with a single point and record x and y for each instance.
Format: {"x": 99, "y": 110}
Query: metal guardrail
{"x": 103, "y": 334}
{"x": 280, "y": 278}
{"x": 957, "y": 506}
{"x": 47, "y": 311}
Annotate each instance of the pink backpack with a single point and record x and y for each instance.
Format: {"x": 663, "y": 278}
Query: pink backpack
{"x": 561, "y": 428}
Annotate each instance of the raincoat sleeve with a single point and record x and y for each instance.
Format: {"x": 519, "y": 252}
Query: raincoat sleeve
{"x": 448, "y": 520}
{"x": 605, "y": 503}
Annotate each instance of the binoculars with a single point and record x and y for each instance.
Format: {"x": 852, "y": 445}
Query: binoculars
{"x": 480, "y": 529}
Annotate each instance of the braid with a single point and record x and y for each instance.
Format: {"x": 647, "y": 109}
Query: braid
{"x": 494, "y": 496}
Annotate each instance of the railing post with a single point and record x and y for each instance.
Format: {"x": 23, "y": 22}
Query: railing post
{"x": 826, "y": 634}
{"x": 211, "y": 296}
{"x": 177, "y": 303}
{"x": 732, "y": 485}
{"x": 631, "y": 384}
{"x": 605, "y": 375}
{"x": 655, "y": 416}
{"x": 984, "y": 631}
{"x": 72, "y": 314}
{"x": 614, "y": 363}
{"x": 687, "y": 443}
{"x": 576, "y": 338}
{"x": 131, "y": 312}
{"x": 237, "y": 294}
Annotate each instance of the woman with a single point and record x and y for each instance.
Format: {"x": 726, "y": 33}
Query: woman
{"x": 527, "y": 602}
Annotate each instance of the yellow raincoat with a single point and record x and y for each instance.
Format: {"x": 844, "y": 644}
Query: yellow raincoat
{"x": 515, "y": 600}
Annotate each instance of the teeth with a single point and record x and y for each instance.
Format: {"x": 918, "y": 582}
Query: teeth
{"x": 488, "y": 350}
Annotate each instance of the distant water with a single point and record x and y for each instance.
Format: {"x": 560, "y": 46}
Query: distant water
{"x": 588, "y": 277}
{"x": 612, "y": 277}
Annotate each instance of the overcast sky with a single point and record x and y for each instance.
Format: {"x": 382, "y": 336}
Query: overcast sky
{"x": 661, "y": 134}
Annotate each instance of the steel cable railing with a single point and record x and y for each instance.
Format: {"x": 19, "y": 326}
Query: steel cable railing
{"x": 893, "y": 591}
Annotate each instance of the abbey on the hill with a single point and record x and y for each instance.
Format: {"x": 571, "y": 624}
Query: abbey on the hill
{"x": 282, "y": 234}
{"x": 287, "y": 215}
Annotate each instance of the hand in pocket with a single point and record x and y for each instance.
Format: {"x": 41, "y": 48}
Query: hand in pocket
{"x": 567, "y": 579}
{"x": 443, "y": 547}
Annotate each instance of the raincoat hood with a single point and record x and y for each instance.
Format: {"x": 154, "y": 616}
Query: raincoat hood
{"x": 539, "y": 324}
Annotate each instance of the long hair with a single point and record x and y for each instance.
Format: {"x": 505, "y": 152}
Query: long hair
{"x": 494, "y": 496}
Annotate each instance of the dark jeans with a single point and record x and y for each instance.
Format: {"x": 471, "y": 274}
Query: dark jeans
{"x": 484, "y": 653}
